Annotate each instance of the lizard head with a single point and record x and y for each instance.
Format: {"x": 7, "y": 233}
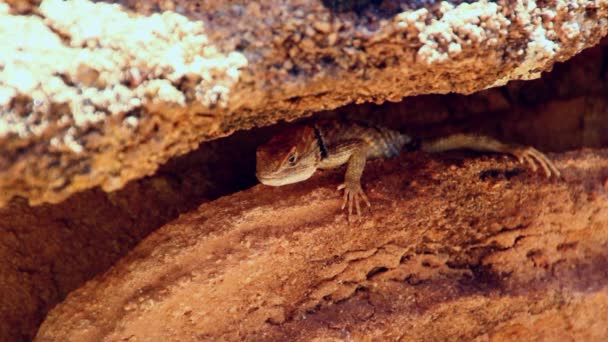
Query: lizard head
{"x": 289, "y": 157}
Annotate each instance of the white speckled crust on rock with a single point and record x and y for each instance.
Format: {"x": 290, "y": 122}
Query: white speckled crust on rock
{"x": 97, "y": 94}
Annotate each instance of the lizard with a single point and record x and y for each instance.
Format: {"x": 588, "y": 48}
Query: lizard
{"x": 294, "y": 154}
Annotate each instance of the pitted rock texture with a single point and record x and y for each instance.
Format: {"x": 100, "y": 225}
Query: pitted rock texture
{"x": 565, "y": 109}
{"x": 89, "y": 102}
{"x": 453, "y": 248}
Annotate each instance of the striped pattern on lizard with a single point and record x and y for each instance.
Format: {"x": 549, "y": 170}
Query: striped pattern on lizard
{"x": 296, "y": 153}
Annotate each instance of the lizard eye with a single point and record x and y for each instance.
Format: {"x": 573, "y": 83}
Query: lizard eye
{"x": 292, "y": 159}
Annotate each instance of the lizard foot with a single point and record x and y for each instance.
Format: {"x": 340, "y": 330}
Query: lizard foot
{"x": 353, "y": 193}
{"x": 532, "y": 156}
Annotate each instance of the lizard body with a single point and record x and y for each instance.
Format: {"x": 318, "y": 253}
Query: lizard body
{"x": 296, "y": 153}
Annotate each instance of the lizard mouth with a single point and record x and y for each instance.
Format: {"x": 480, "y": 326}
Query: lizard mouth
{"x": 269, "y": 180}
{"x": 284, "y": 180}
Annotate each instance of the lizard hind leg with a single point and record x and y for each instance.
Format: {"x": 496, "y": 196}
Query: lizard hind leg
{"x": 525, "y": 155}
{"x": 532, "y": 156}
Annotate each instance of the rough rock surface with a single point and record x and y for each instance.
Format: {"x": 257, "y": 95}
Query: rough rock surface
{"x": 50, "y": 250}
{"x": 86, "y": 101}
{"x": 453, "y": 248}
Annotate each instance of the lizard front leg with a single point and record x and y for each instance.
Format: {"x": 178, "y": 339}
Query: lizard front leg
{"x": 352, "y": 182}
{"x": 524, "y": 154}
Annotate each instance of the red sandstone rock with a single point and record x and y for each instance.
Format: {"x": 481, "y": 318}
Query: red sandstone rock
{"x": 453, "y": 248}
{"x": 49, "y": 250}
{"x": 95, "y": 94}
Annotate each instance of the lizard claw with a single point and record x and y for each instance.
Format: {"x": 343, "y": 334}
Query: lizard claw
{"x": 532, "y": 157}
{"x": 352, "y": 194}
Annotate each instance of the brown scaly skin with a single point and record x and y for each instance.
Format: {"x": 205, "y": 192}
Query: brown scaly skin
{"x": 296, "y": 153}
